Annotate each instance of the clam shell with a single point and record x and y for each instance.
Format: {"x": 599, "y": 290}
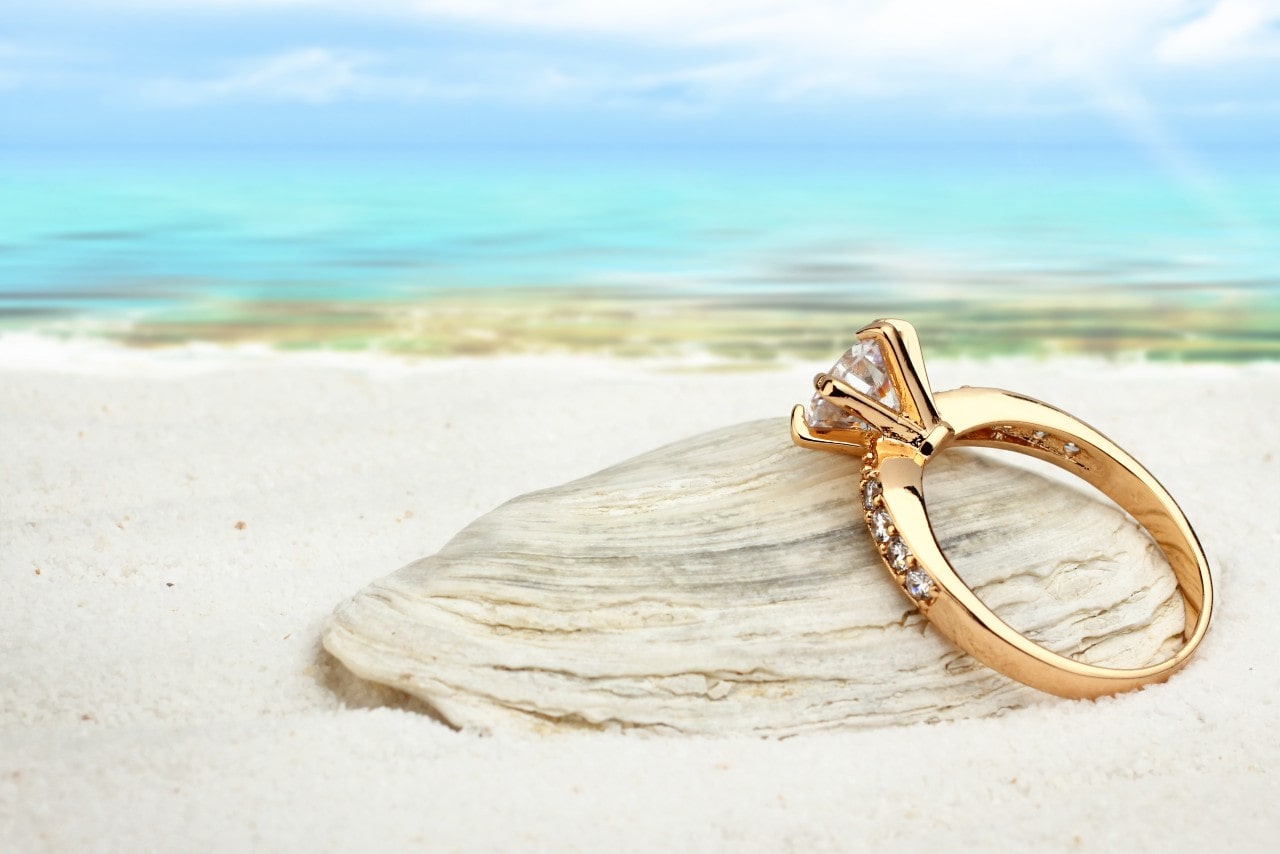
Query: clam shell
{"x": 727, "y": 584}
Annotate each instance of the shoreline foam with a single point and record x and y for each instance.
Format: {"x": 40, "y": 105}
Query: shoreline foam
{"x": 751, "y": 328}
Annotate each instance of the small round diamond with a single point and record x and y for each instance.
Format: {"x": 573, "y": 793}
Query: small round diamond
{"x": 1071, "y": 448}
{"x": 919, "y": 585}
{"x": 1039, "y": 434}
{"x": 880, "y": 525}
{"x": 898, "y": 554}
{"x": 870, "y": 490}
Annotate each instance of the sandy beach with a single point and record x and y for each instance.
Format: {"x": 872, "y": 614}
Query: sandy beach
{"x": 176, "y": 525}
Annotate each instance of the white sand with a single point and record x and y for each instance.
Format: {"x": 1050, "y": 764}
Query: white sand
{"x": 161, "y": 685}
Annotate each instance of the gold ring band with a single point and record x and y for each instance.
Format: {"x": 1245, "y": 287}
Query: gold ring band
{"x": 877, "y": 403}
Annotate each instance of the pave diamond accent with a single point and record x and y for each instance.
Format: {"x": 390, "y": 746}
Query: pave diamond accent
{"x": 880, "y": 526}
{"x": 899, "y": 555}
{"x": 919, "y": 585}
{"x": 870, "y": 491}
{"x": 895, "y": 552}
{"x": 863, "y": 369}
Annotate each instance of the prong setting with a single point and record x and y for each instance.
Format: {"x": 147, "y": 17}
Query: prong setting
{"x": 876, "y": 389}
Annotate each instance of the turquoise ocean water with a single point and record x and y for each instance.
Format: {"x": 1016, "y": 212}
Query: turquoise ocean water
{"x": 102, "y": 240}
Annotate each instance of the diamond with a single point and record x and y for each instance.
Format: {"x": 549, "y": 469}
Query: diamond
{"x": 1039, "y": 434}
{"x": 919, "y": 585}
{"x": 1071, "y": 448}
{"x": 862, "y": 368}
{"x": 825, "y": 415}
{"x": 899, "y": 554}
{"x": 880, "y": 525}
{"x": 870, "y": 490}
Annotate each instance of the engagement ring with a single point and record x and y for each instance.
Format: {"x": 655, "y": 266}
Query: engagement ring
{"x": 876, "y": 402}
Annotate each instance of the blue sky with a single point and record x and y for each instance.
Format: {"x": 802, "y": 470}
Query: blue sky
{"x": 404, "y": 72}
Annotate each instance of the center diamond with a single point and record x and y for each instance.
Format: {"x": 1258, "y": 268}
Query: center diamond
{"x": 862, "y": 369}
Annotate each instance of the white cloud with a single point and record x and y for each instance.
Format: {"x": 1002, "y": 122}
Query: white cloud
{"x": 311, "y": 75}
{"x": 862, "y": 45}
{"x": 1004, "y": 51}
{"x": 37, "y": 65}
{"x": 1231, "y": 31}
{"x": 318, "y": 75}
{"x": 994, "y": 55}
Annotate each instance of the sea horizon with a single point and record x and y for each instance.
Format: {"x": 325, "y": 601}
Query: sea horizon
{"x": 743, "y": 252}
